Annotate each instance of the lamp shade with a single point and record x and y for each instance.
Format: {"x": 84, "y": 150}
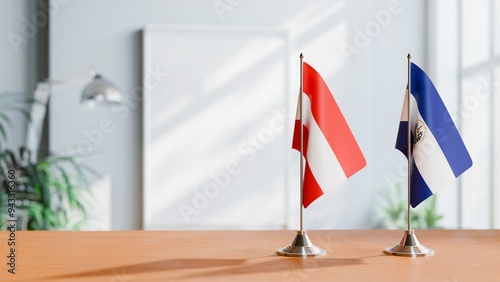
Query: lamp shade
{"x": 101, "y": 90}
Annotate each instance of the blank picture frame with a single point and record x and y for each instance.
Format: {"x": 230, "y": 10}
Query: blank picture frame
{"x": 216, "y": 129}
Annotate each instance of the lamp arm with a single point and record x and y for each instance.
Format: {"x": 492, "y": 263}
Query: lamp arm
{"x": 42, "y": 93}
{"x": 38, "y": 111}
{"x": 56, "y": 82}
{"x": 44, "y": 90}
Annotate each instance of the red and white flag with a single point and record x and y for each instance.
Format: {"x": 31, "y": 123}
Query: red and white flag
{"x": 330, "y": 150}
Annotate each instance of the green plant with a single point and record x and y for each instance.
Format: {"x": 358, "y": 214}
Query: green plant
{"x": 53, "y": 191}
{"x": 393, "y": 213}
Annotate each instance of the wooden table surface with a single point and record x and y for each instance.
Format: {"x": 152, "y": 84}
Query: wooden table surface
{"x": 352, "y": 255}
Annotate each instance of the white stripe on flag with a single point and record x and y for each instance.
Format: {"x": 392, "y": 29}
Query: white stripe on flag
{"x": 321, "y": 158}
{"x": 428, "y": 156}
{"x": 404, "y": 112}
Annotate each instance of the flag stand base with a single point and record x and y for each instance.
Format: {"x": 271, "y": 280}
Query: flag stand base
{"x": 409, "y": 247}
{"x": 301, "y": 247}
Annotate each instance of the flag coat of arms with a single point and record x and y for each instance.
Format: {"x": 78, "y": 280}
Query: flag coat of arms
{"x": 330, "y": 150}
{"x": 439, "y": 155}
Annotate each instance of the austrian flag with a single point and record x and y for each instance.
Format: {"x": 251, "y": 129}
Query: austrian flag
{"x": 331, "y": 153}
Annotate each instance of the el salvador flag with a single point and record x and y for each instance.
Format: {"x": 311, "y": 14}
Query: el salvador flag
{"x": 439, "y": 154}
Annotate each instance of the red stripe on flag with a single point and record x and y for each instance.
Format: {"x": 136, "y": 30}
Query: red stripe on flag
{"x": 332, "y": 123}
{"x": 312, "y": 191}
{"x": 296, "y": 137}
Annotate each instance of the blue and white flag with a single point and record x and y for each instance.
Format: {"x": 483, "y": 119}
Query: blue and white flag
{"x": 439, "y": 154}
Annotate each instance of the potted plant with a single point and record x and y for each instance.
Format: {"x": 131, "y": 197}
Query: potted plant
{"x": 51, "y": 192}
{"x": 393, "y": 212}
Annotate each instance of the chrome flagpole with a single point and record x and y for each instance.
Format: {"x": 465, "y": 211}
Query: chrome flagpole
{"x": 409, "y": 246}
{"x": 301, "y": 245}
{"x": 301, "y": 170}
{"x": 408, "y": 142}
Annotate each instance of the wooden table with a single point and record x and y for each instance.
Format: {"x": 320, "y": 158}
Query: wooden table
{"x": 117, "y": 256}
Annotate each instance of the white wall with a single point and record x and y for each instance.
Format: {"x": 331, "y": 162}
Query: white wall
{"x": 368, "y": 86}
{"x": 18, "y": 56}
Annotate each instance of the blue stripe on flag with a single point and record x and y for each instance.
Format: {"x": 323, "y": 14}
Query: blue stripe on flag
{"x": 419, "y": 189}
{"x": 438, "y": 121}
{"x": 402, "y": 138}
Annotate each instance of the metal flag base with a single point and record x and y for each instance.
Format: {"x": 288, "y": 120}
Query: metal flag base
{"x": 301, "y": 247}
{"x": 409, "y": 247}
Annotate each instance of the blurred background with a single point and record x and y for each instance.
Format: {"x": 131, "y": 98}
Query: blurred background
{"x": 202, "y": 136}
